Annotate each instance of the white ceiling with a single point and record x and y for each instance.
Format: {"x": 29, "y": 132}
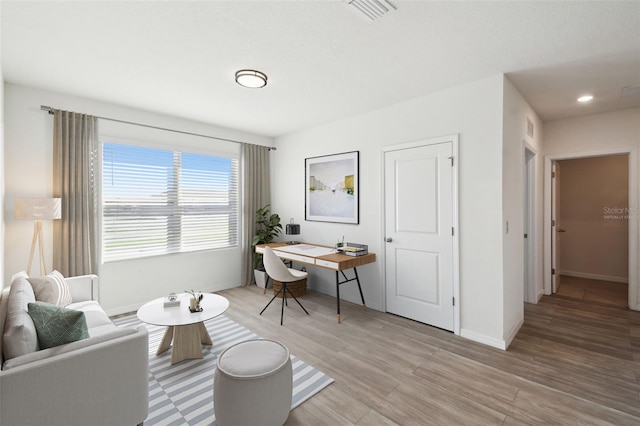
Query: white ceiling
{"x": 324, "y": 62}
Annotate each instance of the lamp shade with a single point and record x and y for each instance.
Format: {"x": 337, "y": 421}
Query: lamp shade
{"x": 292, "y": 229}
{"x": 37, "y": 209}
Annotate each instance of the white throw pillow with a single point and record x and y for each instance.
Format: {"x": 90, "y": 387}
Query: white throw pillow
{"x": 51, "y": 289}
{"x": 20, "y": 336}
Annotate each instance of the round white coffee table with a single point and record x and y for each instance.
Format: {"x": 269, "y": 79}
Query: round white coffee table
{"x": 185, "y": 329}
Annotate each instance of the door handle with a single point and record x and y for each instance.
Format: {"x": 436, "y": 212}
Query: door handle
{"x": 562, "y": 230}
{"x": 388, "y": 239}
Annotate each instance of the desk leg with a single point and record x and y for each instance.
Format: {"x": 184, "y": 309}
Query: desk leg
{"x": 338, "y": 294}
{"x": 346, "y": 280}
{"x": 364, "y": 305}
{"x": 266, "y": 285}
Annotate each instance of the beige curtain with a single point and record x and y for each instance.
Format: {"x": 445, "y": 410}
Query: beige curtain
{"x": 256, "y": 194}
{"x": 75, "y": 157}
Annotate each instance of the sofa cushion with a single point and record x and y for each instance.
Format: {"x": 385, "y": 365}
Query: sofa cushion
{"x": 51, "y": 289}
{"x": 68, "y": 348}
{"x": 56, "y": 325}
{"x": 97, "y": 320}
{"x": 19, "y": 336}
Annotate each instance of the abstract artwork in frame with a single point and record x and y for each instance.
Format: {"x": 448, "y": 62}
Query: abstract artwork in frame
{"x": 332, "y": 188}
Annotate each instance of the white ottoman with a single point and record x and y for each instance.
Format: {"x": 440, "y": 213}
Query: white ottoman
{"x": 253, "y": 384}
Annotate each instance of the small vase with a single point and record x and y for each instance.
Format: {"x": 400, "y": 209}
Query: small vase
{"x": 193, "y": 304}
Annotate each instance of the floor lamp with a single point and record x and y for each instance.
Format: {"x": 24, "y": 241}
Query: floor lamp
{"x": 37, "y": 210}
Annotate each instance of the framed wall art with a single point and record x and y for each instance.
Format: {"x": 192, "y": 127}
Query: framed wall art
{"x": 332, "y": 188}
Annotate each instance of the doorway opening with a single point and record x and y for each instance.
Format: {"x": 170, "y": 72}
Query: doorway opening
{"x": 591, "y": 224}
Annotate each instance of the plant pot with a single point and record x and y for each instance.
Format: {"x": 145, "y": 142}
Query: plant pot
{"x": 261, "y": 278}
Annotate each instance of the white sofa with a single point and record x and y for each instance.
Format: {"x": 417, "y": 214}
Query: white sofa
{"x": 101, "y": 380}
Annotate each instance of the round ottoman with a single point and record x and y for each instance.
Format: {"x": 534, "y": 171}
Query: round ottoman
{"x": 253, "y": 384}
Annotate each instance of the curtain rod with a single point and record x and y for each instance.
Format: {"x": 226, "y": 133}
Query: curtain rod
{"x": 270, "y": 148}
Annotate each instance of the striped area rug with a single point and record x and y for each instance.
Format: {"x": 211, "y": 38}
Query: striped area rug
{"x": 182, "y": 394}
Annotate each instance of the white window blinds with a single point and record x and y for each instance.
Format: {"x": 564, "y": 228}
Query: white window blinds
{"x": 159, "y": 201}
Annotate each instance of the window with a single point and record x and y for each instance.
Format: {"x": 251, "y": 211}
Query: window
{"x": 158, "y": 202}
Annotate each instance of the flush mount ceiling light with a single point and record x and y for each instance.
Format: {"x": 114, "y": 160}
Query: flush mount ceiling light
{"x": 251, "y": 78}
{"x": 585, "y": 98}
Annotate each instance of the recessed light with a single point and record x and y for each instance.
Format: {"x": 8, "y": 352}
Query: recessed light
{"x": 585, "y": 98}
{"x": 251, "y": 78}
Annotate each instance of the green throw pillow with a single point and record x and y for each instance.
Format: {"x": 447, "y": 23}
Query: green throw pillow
{"x": 56, "y": 325}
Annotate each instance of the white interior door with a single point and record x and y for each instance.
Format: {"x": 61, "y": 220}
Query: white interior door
{"x": 418, "y": 229}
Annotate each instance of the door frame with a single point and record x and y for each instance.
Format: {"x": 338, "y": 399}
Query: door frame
{"x": 553, "y": 236}
{"x": 632, "y": 300}
{"x": 455, "y": 221}
{"x": 529, "y": 158}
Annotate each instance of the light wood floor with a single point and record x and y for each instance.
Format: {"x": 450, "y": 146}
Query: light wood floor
{"x": 605, "y": 292}
{"x": 573, "y": 362}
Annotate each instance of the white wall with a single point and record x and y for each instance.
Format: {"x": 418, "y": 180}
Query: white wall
{"x": 597, "y": 132}
{"x": 474, "y": 111}
{"x": 28, "y": 173}
{"x": 617, "y": 130}
{"x": 2, "y": 279}
{"x": 515, "y": 113}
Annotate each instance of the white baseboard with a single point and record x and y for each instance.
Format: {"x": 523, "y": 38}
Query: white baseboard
{"x": 490, "y": 341}
{"x": 513, "y": 332}
{"x": 485, "y": 340}
{"x": 595, "y": 276}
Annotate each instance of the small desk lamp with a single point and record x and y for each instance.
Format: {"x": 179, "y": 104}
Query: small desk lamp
{"x": 37, "y": 209}
{"x": 292, "y": 229}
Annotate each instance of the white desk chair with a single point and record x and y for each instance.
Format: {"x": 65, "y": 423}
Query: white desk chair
{"x": 279, "y": 272}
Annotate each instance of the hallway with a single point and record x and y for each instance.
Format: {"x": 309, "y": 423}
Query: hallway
{"x": 596, "y": 291}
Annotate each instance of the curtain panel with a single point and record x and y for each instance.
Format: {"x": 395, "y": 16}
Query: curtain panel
{"x": 75, "y": 164}
{"x": 256, "y": 194}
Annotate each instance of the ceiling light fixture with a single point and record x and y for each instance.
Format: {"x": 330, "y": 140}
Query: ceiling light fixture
{"x": 251, "y": 78}
{"x": 585, "y": 98}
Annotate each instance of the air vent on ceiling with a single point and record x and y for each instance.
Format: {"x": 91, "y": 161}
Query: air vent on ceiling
{"x": 370, "y": 9}
{"x": 631, "y": 91}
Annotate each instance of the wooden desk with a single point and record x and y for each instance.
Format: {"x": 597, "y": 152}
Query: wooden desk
{"x": 323, "y": 257}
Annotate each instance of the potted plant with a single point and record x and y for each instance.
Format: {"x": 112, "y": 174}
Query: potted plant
{"x": 194, "y": 302}
{"x": 267, "y": 228}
